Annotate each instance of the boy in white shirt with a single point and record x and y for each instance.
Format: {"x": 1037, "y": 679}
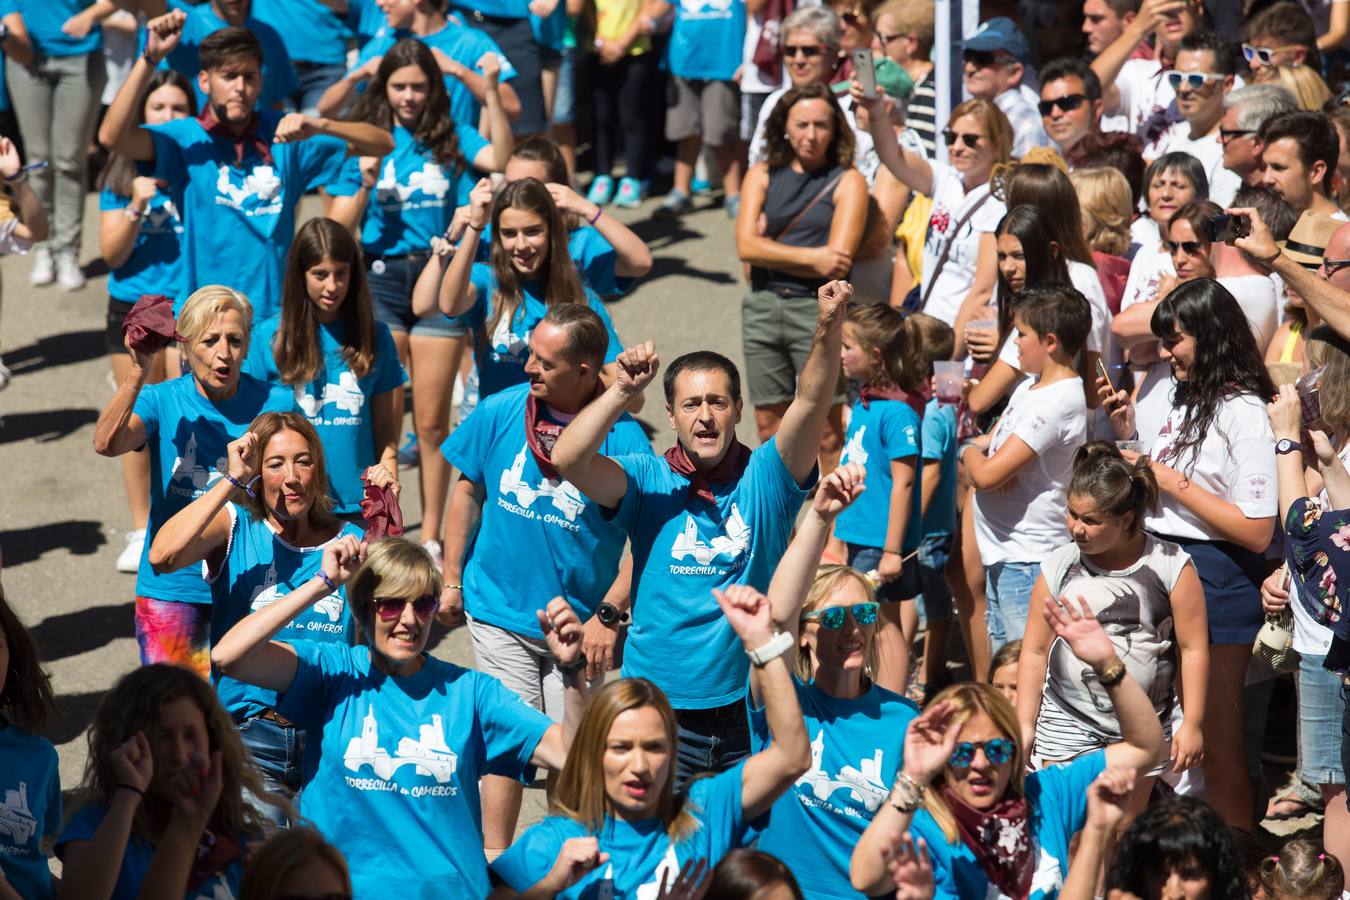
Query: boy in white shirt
{"x": 1020, "y": 469}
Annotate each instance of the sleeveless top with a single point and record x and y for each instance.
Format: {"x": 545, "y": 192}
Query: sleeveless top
{"x": 788, "y": 193}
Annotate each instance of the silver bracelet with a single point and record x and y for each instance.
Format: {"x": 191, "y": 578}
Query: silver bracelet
{"x": 911, "y": 793}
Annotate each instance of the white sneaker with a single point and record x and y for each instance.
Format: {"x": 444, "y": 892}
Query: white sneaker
{"x": 5, "y": 376}
{"x": 129, "y": 560}
{"x": 43, "y": 270}
{"x": 433, "y": 547}
{"x": 68, "y": 271}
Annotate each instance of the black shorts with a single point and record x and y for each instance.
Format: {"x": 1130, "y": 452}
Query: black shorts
{"x": 112, "y": 334}
{"x": 515, "y": 37}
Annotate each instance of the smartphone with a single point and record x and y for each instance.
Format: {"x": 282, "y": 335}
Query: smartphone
{"x": 1101, "y": 373}
{"x": 1226, "y": 228}
{"x": 865, "y": 70}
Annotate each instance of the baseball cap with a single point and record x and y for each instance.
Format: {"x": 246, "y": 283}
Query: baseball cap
{"x": 998, "y": 34}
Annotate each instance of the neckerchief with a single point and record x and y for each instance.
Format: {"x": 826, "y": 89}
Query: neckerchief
{"x": 216, "y": 850}
{"x": 730, "y": 468}
{"x": 1000, "y": 839}
{"x": 915, "y": 399}
{"x": 249, "y": 137}
{"x": 541, "y": 434}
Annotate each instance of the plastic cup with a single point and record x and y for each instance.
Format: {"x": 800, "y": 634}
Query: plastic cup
{"x": 948, "y": 379}
{"x": 1132, "y": 446}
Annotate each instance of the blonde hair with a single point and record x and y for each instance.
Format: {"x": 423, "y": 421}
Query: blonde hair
{"x": 823, "y": 587}
{"x": 1306, "y": 85}
{"x": 1104, "y": 196}
{"x": 394, "y": 567}
{"x": 969, "y": 698}
{"x": 995, "y": 125}
{"x": 274, "y": 861}
{"x": 1301, "y": 871}
{"x": 580, "y": 794}
{"x": 1327, "y": 348}
{"x": 910, "y": 18}
{"x": 201, "y": 308}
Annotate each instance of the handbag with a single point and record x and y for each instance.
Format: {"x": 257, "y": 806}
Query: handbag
{"x": 1274, "y": 645}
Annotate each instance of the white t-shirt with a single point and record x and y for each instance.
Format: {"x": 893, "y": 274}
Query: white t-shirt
{"x": 1223, "y": 183}
{"x": 1235, "y": 461}
{"x": 1146, "y": 99}
{"x": 1026, "y": 523}
{"x": 1256, "y": 295}
{"x": 950, "y": 205}
{"x": 1084, "y": 280}
{"x": 1153, "y": 400}
{"x": 1148, "y": 267}
{"x": 1144, "y": 231}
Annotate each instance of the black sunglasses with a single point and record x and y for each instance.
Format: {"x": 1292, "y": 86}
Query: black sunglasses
{"x": 982, "y": 58}
{"x": 1230, "y": 134}
{"x": 1190, "y": 247}
{"x": 807, "y": 50}
{"x": 1332, "y": 266}
{"x": 1067, "y": 103}
{"x": 970, "y": 140}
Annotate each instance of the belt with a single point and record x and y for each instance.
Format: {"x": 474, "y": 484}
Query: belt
{"x": 272, "y": 715}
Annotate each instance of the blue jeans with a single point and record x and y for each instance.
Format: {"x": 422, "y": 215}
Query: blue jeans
{"x": 1008, "y": 588}
{"x": 278, "y": 751}
{"x": 1321, "y": 704}
{"x": 935, "y": 602}
{"x": 314, "y": 78}
{"x": 710, "y": 740}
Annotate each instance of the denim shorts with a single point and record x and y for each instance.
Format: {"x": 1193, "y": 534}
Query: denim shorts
{"x": 1321, "y": 704}
{"x": 391, "y": 281}
{"x": 1007, "y": 586}
{"x": 710, "y": 740}
{"x": 1231, "y": 577}
{"x": 868, "y": 559}
{"x": 565, "y": 94}
{"x": 935, "y": 601}
{"x": 278, "y": 751}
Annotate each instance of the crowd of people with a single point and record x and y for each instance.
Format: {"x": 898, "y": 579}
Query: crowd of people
{"x": 1052, "y": 407}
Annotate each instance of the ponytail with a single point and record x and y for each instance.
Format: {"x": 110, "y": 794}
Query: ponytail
{"x": 1301, "y": 871}
{"x": 1114, "y": 485}
{"x": 899, "y": 341}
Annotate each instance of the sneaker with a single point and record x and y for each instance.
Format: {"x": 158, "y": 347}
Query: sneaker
{"x": 676, "y": 204}
{"x": 630, "y": 193}
{"x": 602, "y": 190}
{"x": 700, "y": 186}
{"x": 68, "y": 272}
{"x": 732, "y": 205}
{"x": 129, "y": 560}
{"x": 433, "y": 547}
{"x": 408, "y": 454}
{"x": 5, "y": 375}
{"x": 44, "y": 271}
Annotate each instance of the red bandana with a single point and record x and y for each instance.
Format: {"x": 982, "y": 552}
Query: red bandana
{"x": 731, "y": 468}
{"x": 1000, "y": 838}
{"x": 248, "y": 138}
{"x": 149, "y": 324}
{"x": 916, "y": 401}
{"x": 541, "y": 434}
{"x": 216, "y": 850}
{"x": 381, "y": 512}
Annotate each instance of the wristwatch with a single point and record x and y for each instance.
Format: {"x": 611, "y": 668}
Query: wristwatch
{"x": 774, "y": 647}
{"x": 1284, "y": 445}
{"x": 610, "y": 615}
{"x": 571, "y": 669}
{"x": 1112, "y": 675}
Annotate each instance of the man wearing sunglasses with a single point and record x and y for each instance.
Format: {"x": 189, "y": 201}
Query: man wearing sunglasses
{"x": 1280, "y": 35}
{"x": 1071, "y": 102}
{"x": 994, "y": 58}
{"x": 1202, "y": 76}
{"x": 1245, "y": 109}
{"x": 1137, "y": 88}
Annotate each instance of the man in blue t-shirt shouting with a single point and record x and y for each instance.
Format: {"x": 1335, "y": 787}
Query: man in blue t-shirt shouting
{"x": 708, "y": 514}
{"x": 517, "y": 535}
{"x": 235, "y": 173}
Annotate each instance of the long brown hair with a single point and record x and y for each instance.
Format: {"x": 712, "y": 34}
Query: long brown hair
{"x": 27, "y": 699}
{"x": 561, "y": 283}
{"x": 877, "y": 326}
{"x": 435, "y": 128}
{"x": 1048, "y": 188}
{"x": 120, "y": 170}
{"x": 580, "y": 794}
{"x": 778, "y": 151}
{"x": 296, "y": 347}
{"x": 269, "y": 425}
{"x": 134, "y": 704}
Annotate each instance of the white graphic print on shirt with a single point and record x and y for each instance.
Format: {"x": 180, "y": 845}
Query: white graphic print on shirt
{"x": 430, "y": 180}
{"x": 269, "y": 592}
{"x": 853, "y": 450}
{"x": 863, "y": 782}
{"x": 727, "y": 548}
{"x": 186, "y": 469}
{"x": 428, "y": 755}
{"x": 507, "y": 345}
{"x": 16, "y": 818}
{"x": 261, "y": 185}
{"x": 346, "y": 395}
{"x": 565, "y": 498}
{"x": 667, "y": 870}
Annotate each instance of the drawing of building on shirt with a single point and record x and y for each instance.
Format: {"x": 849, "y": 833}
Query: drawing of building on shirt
{"x": 853, "y": 450}
{"x": 262, "y": 182}
{"x": 428, "y": 754}
{"x": 16, "y": 819}
{"x": 506, "y": 344}
{"x": 186, "y": 467}
{"x": 346, "y": 395}
{"x": 566, "y": 498}
{"x": 430, "y": 180}
{"x": 864, "y": 783}
{"x": 667, "y": 870}
{"x": 726, "y": 547}
{"x": 269, "y": 592}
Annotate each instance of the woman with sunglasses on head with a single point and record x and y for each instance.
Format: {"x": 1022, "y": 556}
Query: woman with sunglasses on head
{"x": 255, "y": 545}
{"x": 1214, "y": 461}
{"x": 959, "y": 259}
{"x": 991, "y": 829}
{"x": 395, "y": 735}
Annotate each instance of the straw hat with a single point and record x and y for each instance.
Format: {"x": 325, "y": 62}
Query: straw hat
{"x": 1307, "y": 243}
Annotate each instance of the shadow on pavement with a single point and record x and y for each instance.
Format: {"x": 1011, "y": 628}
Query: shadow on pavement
{"x": 79, "y": 536}
{"x": 73, "y": 633}
{"x": 56, "y": 350}
{"x": 46, "y": 426}
{"x": 77, "y": 711}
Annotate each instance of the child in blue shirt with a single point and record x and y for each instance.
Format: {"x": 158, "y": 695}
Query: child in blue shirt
{"x": 882, "y": 354}
{"x": 30, "y": 780}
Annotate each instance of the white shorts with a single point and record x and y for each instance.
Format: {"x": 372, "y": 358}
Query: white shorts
{"x": 523, "y": 664}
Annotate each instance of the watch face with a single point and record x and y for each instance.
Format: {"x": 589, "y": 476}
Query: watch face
{"x": 607, "y": 614}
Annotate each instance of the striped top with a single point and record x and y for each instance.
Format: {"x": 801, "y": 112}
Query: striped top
{"x": 921, "y": 115}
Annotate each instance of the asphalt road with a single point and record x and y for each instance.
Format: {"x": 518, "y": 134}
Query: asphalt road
{"x": 63, "y": 516}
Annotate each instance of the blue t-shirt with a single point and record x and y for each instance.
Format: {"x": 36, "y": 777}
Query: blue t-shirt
{"x": 462, "y": 44}
{"x": 1057, "y": 797}
{"x": 706, "y": 39}
{"x": 260, "y": 568}
{"x": 30, "y": 785}
{"x": 336, "y": 402}
{"x": 155, "y": 264}
{"x": 938, "y": 443}
{"x": 640, "y": 853}
{"x": 882, "y": 431}
{"x": 594, "y": 256}
{"x": 239, "y": 220}
{"x": 136, "y": 860}
{"x": 502, "y": 9}
{"x": 501, "y": 355}
{"x": 402, "y": 756}
{"x": 187, "y": 435}
{"x": 684, "y": 547}
{"x": 44, "y": 19}
{"x": 278, "y": 76}
{"x": 414, "y": 197}
{"x": 365, "y": 20}
{"x": 575, "y": 550}
{"x": 311, "y": 31}
{"x": 857, "y": 747}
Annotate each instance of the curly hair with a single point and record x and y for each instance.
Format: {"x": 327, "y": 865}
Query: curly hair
{"x": 435, "y": 128}
{"x": 1179, "y": 832}
{"x": 778, "y": 151}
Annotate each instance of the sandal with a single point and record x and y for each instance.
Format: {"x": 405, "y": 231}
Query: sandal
{"x": 1294, "y": 801}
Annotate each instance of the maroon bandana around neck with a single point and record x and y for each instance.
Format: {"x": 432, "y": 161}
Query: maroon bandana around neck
{"x": 249, "y": 137}
{"x": 541, "y": 434}
{"x": 216, "y": 850}
{"x": 730, "y": 468}
{"x": 916, "y": 401}
{"x": 1000, "y": 839}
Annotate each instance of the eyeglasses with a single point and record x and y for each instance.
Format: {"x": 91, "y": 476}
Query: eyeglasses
{"x": 1193, "y": 80}
{"x": 390, "y": 609}
{"x": 1191, "y": 248}
{"x": 807, "y": 50}
{"x": 832, "y": 617}
{"x": 884, "y": 39}
{"x": 1265, "y": 55}
{"x": 970, "y": 140}
{"x": 1067, "y": 103}
{"x": 984, "y": 59}
{"x": 1332, "y": 266}
{"x": 1232, "y": 134}
{"x": 997, "y": 751}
